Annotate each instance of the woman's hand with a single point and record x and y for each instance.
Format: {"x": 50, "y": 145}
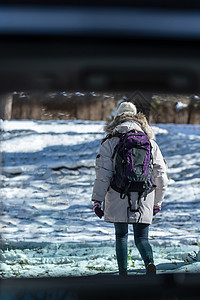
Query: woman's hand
{"x": 156, "y": 209}
{"x": 97, "y": 209}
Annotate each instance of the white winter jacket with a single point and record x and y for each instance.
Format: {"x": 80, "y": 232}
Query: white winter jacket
{"x": 115, "y": 208}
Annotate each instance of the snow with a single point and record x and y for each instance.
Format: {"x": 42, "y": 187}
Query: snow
{"x": 79, "y": 94}
{"x": 180, "y": 105}
{"x": 48, "y": 227}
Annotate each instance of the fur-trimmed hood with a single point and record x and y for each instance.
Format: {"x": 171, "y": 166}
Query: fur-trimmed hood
{"x": 126, "y": 122}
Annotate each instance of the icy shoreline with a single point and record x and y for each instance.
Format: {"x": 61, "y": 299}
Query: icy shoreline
{"x": 46, "y": 260}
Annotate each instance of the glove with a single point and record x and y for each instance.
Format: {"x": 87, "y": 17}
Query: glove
{"x": 97, "y": 209}
{"x": 156, "y": 209}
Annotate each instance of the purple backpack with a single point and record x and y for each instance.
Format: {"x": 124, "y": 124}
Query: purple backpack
{"x": 133, "y": 165}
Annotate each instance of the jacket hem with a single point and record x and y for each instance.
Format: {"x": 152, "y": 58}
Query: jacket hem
{"x": 128, "y": 222}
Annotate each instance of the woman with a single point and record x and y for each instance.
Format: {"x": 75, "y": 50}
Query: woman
{"x": 115, "y": 209}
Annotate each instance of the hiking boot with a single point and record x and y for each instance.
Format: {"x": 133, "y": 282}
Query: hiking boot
{"x": 150, "y": 269}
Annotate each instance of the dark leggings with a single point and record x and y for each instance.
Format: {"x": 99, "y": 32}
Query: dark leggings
{"x": 141, "y": 232}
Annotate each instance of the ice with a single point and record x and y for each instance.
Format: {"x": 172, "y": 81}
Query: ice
{"x": 48, "y": 227}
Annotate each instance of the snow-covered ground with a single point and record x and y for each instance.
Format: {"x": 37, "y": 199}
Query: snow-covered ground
{"x": 48, "y": 227}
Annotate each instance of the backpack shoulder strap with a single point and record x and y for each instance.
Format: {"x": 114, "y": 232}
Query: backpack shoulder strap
{"x": 108, "y": 136}
{"x": 111, "y": 135}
